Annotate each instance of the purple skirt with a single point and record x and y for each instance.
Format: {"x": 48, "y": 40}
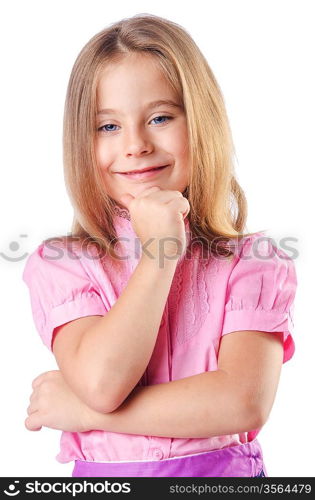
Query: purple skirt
{"x": 244, "y": 460}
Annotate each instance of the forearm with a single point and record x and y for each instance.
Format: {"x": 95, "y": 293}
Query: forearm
{"x": 204, "y": 405}
{"x": 115, "y": 351}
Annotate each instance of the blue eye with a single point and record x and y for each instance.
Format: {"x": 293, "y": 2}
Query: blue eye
{"x": 162, "y": 116}
{"x": 108, "y": 125}
{"x": 106, "y": 130}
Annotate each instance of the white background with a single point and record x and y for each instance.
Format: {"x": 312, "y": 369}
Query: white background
{"x": 261, "y": 54}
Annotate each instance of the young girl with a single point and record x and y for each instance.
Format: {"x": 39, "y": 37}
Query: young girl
{"x": 168, "y": 323}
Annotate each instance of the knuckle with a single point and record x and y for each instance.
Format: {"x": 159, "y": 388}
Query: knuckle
{"x": 146, "y": 193}
{"x": 185, "y": 202}
{"x": 175, "y": 202}
{"x": 44, "y": 388}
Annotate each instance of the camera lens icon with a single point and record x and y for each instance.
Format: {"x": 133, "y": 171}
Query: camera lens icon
{"x": 12, "y": 492}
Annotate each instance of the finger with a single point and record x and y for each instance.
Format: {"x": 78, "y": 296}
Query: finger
{"x": 126, "y": 199}
{"x": 34, "y": 399}
{"x": 44, "y": 376}
{"x": 32, "y": 396}
{"x": 186, "y": 213}
{"x": 162, "y": 196}
{"x": 147, "y": 192}
{"x": 32, "y": 423}
{"x": 182, "y": 205}
{"x": 38, "y": 380}
{"x": 31, "y": 409}
{"x": 166, "y": 195}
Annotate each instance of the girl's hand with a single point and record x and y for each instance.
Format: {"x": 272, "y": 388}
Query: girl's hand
{"x": 159, "y": 214}
{"x": 54, "y": 405}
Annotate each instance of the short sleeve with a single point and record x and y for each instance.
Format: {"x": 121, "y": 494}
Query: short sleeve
{"x": 261, "y": 291}
{"x": 60, "y": 289}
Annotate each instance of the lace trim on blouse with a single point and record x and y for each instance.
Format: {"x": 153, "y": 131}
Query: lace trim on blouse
{"x": 122, "y": 212}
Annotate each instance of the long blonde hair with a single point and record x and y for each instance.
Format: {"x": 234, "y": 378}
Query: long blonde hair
{"x": 218, "y": 207}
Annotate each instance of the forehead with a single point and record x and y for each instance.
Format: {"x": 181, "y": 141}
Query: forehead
{"x": 135, "y": 76}
{"x": 134, "y": 64}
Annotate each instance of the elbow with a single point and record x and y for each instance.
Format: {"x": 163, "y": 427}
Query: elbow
{"x": 106, "y": 397}
{"x": 98, "y": 402}
{"x": 102, "y": 401}
{"x": 256, "y": 407}
{"x": 255, "y": 417}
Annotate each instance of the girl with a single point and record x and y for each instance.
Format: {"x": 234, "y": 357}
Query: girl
{"x": 168, "y": 323}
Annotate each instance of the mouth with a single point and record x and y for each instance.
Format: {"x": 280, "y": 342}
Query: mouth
{"x": 143, "y": 175}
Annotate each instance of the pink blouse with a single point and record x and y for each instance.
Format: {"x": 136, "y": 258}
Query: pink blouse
{"x": 208, "y": 298}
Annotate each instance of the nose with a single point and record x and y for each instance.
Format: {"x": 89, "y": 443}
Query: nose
{"x": 137, "y": 143}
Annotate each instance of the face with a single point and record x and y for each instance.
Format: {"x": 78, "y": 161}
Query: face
{"x": 134, "y": 134}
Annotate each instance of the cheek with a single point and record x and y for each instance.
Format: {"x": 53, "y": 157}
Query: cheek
{"x": 181, "y": 152}
{"x": 180, "y": 142}
{"x": 103, "y": 157}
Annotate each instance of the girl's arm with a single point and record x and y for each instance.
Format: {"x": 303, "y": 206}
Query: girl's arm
{"x": 104, "y": 361}
{"x": 200, "y": 406}
{"x": 236, "y": 398}
{"x": 124, "y": 338}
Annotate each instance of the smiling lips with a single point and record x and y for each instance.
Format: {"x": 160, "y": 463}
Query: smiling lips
{"x": 143, "y": 174}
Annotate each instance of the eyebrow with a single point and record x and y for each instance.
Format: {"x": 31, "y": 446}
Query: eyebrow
{"x": 150, "y": 105}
